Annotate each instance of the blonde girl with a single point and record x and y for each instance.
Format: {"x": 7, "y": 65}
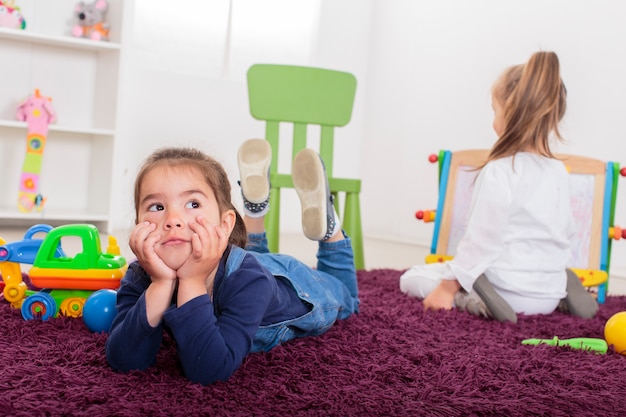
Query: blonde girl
{"x": 513, "y": 255}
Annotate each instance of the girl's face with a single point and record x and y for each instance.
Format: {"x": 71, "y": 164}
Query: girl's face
{"x": 498, "y": 116}
{"x": 172, "y": 198}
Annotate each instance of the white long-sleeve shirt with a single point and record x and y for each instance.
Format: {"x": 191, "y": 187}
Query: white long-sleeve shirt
{"x": 518, "y": 231}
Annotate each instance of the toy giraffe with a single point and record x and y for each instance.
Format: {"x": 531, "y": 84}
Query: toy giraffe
{"x": 38, "y": 113}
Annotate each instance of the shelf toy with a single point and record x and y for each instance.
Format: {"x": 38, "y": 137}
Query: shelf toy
{"x": 11, "y": 16}
{"x": 583, "y": 343}
{"x": 38, "y": 113}
{"x": 91, "y": 20}
{"x": 78, "y": 286}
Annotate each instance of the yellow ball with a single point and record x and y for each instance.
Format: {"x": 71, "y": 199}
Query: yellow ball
{"x": 615, "y": 332}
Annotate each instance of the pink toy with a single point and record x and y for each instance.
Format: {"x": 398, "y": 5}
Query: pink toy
{"x": 10, "y": 16}
{"x": 38, "y": 113}
{"x": 91, "y": 22}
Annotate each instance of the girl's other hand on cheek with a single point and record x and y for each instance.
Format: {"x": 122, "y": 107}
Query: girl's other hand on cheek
{"x": 208, "y": 245}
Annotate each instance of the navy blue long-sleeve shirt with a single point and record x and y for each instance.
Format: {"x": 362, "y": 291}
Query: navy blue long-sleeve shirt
{"x": 212, "y": 336}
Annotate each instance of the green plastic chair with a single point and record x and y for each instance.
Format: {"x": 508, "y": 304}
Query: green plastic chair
{"x": 306, "y": 96}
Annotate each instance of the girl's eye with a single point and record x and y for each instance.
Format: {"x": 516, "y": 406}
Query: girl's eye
{"x": 155, "y": 207}
{"x": 192, "y": 204}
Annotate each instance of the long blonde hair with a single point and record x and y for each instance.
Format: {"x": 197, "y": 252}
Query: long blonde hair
{"x": 533, "y": 99}
{"x": 213, "y": 173}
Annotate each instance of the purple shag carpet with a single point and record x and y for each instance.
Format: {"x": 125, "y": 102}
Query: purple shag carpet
{"x": 392, "y": 359}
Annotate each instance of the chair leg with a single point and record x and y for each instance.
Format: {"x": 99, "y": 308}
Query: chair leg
{"x": 352, "y": 225}
{"x": 272, "y": 221}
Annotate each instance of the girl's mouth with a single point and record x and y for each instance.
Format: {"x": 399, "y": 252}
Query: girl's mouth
{"x": 173, "y": 242}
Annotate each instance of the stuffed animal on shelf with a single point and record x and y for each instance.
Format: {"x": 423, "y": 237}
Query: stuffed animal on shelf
{"x": 91, "y": 20}
{"x": 11, "y": 16}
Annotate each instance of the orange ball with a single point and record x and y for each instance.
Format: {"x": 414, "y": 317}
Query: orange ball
{"x": 615, "y": 332}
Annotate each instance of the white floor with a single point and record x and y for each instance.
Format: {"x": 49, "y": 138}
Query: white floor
{"x": 379, "y": 253}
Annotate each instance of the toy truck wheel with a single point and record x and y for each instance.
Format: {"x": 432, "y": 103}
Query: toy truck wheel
{"x": 72, "y": 307}
{"x": 39, "y": 306}
{"x": 14, "y": 292}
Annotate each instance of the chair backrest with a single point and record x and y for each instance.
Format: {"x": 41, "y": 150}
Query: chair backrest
{"x": 302, "y": 96}
{"x": 593, "y": 204}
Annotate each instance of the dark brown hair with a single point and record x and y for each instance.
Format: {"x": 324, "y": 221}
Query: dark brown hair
{"x": 213, "y": 173}
{"x": 533, "y": 99}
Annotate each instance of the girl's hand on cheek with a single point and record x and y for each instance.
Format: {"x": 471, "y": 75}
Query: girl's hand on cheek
{"x": 207, "y": 247}
{"x": 142, "y": 241}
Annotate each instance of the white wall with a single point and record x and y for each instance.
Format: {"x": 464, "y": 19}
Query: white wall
{"x": 174, "y": 94}
{"x": 424, "y": 71}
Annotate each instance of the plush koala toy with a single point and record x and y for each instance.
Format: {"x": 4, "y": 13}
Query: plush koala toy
{"x": 91, "y": 22}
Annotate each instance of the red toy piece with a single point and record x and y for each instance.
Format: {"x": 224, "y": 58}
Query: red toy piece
{"x": 426, "y": 215}
{"x": 432, "y": 158}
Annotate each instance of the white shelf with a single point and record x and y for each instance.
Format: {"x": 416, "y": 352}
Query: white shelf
{"x": 53, "y": 215}
{"x": 56, "y": 40}
{"x": 82, "y": 78}
{"x": 10, "y": 218}
{"x": 60, "y": 128}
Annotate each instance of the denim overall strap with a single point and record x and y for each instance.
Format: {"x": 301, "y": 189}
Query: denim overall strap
{"x": 233, "y": 262}
{"x": 235, "y": 258}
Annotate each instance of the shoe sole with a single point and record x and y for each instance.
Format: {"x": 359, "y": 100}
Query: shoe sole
{"x": 309, "y": 180}
{"x": 579, "y": 301}
{"x": 498, "y": 307}
{"x": 254, "y": 159}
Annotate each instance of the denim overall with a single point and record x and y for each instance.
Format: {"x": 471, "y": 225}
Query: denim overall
{"x": 331, "y": 289}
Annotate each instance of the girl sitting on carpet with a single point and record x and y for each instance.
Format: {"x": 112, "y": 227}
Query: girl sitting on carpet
{"x": 193, "y": 278}
{"x": 513, "y": 255}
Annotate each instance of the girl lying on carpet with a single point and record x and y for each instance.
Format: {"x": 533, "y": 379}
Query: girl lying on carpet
{"x": 512, "y": 257}
{"x": 193, "y": 278}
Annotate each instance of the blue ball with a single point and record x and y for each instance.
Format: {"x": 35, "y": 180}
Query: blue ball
{"x": 99, "y": 310}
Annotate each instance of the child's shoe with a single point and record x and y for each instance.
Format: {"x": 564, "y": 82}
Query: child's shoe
{"x": 579, "y": 302}
{"x": 319, "y": 221}
{"x": 254, "y": 158}
{"x": 498, "y": 308}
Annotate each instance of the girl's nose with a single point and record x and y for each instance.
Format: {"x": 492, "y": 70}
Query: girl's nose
{"x": 173, "y": 221}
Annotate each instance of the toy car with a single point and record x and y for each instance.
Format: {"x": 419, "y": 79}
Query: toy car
{"x": 66, "y": 282}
